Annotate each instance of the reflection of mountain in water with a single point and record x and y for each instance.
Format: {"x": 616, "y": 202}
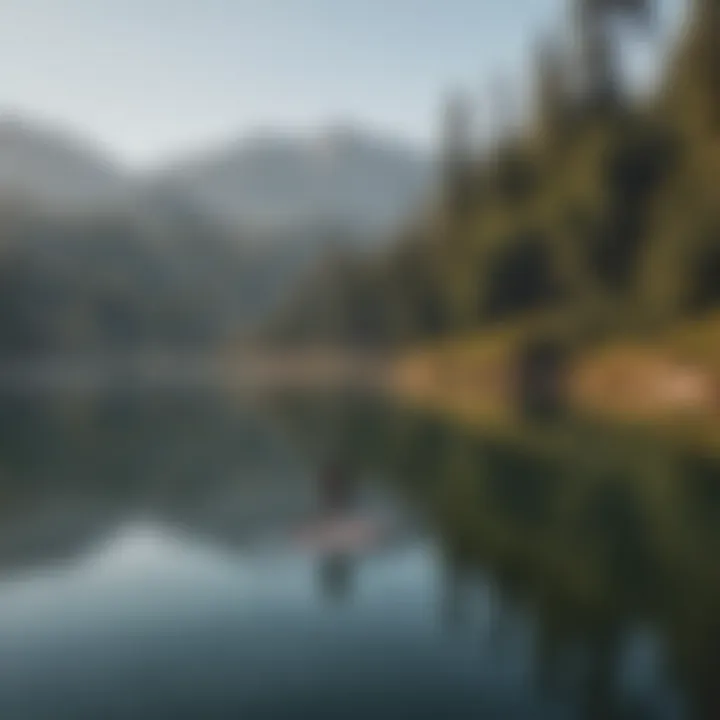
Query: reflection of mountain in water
{"x": 77, "y": 465}
{"x": 73, "y": 467}
{"x": 597, "y": 554}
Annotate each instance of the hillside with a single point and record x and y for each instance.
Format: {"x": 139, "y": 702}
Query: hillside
{"x": 96, "y": 259}
{"x": 603, "y": 214}
{"x": 41, "y": 164}
{"x": 338, "y": 177}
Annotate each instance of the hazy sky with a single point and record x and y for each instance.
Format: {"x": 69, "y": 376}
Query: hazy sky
{"x": 150, "y": 78}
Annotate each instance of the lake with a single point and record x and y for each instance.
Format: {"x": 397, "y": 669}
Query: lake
{"x": 176, "y": 554}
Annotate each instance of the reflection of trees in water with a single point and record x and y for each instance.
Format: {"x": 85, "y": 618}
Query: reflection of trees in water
{"x": 606, "y": 552}
{"x": 590, "y": 531}
{"x": 127, "y": 441}
{"x": 596, "y": 531}
{"x": 110, "y": 455}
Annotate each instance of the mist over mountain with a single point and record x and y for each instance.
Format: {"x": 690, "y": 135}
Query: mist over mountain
{"x": 98, "y": 259}
{"x": 44, "y": 165}
{"x": 339, "y": 177}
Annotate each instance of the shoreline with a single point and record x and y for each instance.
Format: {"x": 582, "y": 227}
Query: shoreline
{"x": 477, "y": 382}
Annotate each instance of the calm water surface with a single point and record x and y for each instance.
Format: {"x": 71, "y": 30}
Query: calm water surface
{"x": 171, "y": 555}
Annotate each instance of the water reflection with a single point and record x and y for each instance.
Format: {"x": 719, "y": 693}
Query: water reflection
{"x": 336, "y": 570}
{"x": 593, "y": 533}
{"x": 546, "y": 572}
{"x": 336, "y": 489}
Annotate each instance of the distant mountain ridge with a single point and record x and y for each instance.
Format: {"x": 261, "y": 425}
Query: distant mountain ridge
{"x": 45, "y": 165}
{"x": 97, "y": 260}
{"x": 339, "y": 177}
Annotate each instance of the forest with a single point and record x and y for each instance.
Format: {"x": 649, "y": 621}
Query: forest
{"x": 116, "y": 282}
{"x": 600, "y": 218}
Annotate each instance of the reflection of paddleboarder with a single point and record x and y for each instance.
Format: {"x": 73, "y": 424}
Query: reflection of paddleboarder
{"x": 336, "y": 496}
{"x": 336, "y": 574}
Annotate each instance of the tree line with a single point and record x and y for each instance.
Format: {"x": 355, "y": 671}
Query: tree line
{"x": 602, "y": 212}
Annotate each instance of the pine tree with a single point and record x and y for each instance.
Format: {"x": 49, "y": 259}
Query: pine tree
{"x": 457, "y": 153}
{"x": 707, "y": 13}
{"x": 600, "y": 81}
{"x": 552, "y": 100}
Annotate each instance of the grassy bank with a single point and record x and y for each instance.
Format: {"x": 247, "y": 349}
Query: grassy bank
{"x": 669, "y": 380}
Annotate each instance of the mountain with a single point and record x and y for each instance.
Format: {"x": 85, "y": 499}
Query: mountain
{"x": 43, "y": 165}
{"x": 337, "y": 178}
{"x": 98, "y": 260}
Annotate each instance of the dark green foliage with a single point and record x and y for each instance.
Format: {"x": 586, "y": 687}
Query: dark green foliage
{"x": 706, "y": 270}
{"x": 104, "y": 284}
{"x": 523, "y": 279}
{"x": 601, "y": 210}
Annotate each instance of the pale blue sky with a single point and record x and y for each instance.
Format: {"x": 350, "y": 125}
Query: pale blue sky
{"x": 150, "y": 78}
